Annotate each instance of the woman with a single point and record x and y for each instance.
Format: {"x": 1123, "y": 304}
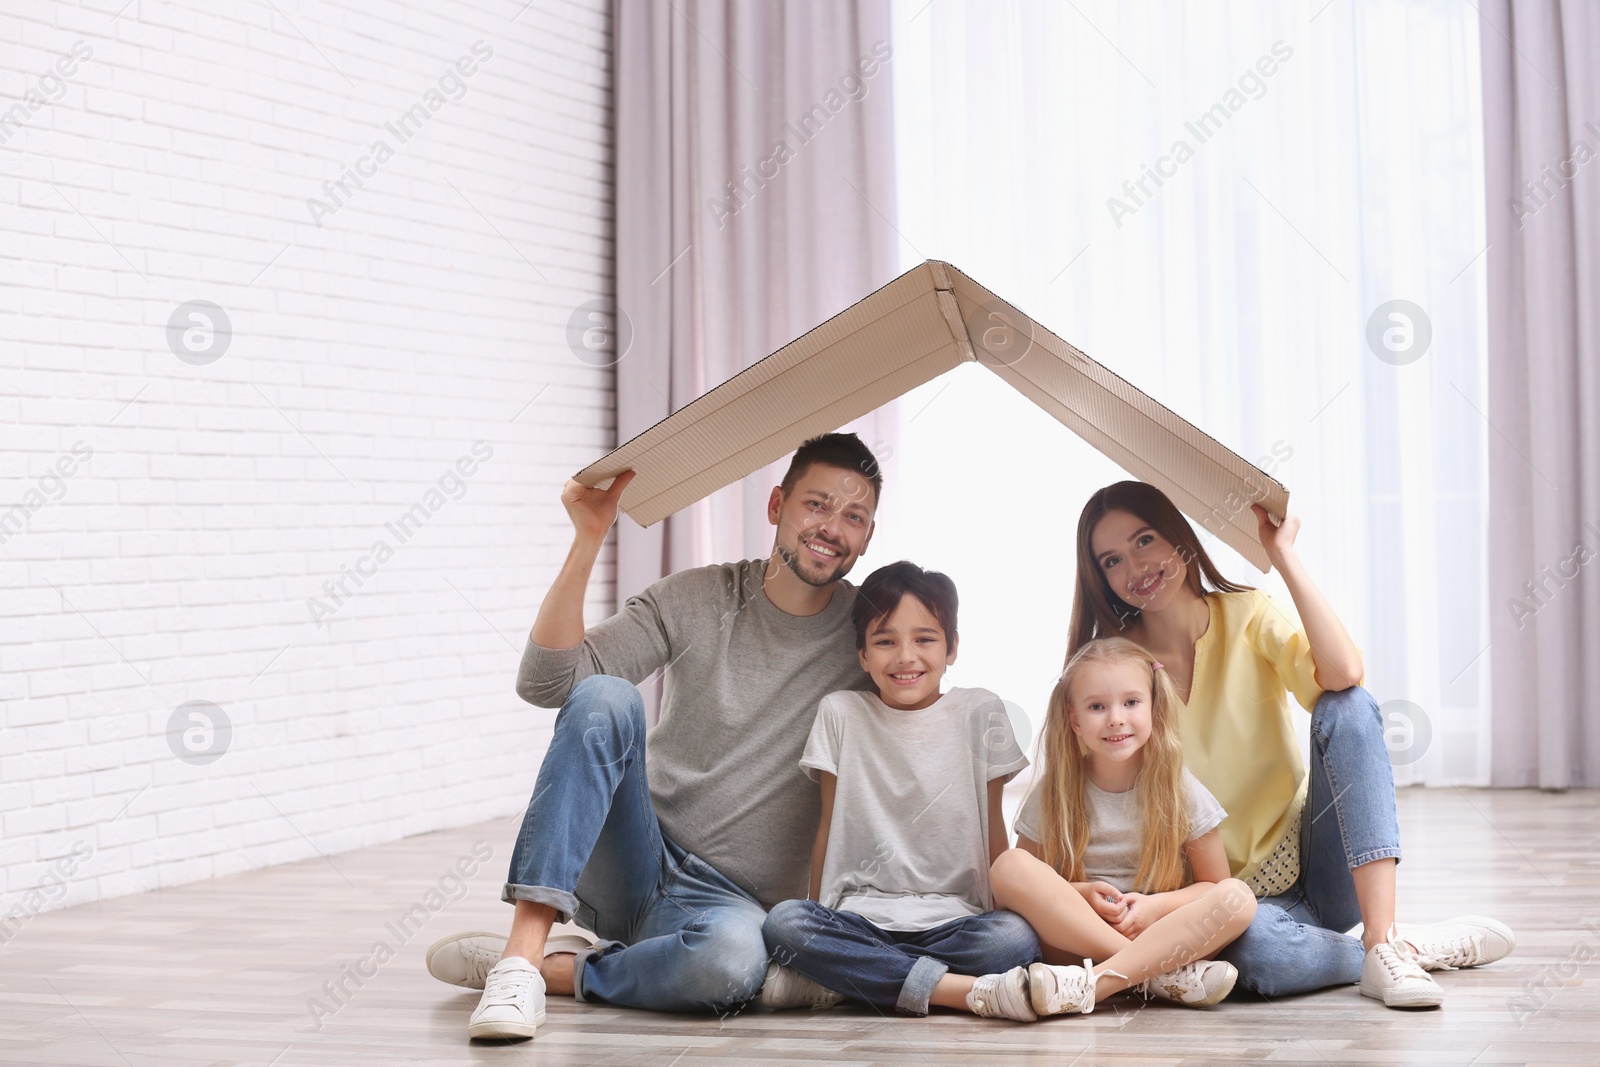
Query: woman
{"x": 1319, "y": 849}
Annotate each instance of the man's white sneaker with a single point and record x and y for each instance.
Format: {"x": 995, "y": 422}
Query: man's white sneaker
{"x": 786, "y": 988}
{"x": 1465, "y": 941}
{"x": 1194, "y": 985}
{"x": 512, "y": 1004}
{"x": 1390, "y": 974}
{"x": 465, "y": 959}
{"x": 1003, "y": 996}
{"x": 1063, "y": 990}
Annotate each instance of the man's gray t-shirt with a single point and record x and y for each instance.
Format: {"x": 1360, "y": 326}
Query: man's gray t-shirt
{"x": 1112, "y": 854}
{"x": 743, "y": 679}
{"x": 908, "y": 844}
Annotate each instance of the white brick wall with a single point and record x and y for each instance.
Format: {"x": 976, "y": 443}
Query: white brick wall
{"x": 172, "y": 558}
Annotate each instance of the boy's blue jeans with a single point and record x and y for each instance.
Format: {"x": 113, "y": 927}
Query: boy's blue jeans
{"x": 843, "y": 952}
{"x": 677, "y": 935}
{"x": 1297, "y": 941}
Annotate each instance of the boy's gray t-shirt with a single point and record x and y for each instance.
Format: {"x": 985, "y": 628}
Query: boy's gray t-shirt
{"x": 1112, "y": 854}
{"x": 742, "y": 682}
{"x": 908, "y": 844}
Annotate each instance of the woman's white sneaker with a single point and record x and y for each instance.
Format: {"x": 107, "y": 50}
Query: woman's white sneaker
{"x": 1194, "y": 985}
{"x": 512, "y": 1004}
{"x": 1465, "y": 941}
{"x": 1390, "y": 974}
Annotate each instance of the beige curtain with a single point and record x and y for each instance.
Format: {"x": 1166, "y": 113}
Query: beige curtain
{"x": 1541, "y": 89}
{"x": 755, "y": 192}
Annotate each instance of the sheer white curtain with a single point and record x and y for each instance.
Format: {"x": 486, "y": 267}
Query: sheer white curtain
{"x": 1315, "y": 163}
{"x": 755, "y": 193}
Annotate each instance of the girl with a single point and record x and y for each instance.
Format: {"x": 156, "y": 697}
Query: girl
{"x": 899, "y": 914}
{"x": 1109, "y": 838}
{"x": 1323, "y": 857}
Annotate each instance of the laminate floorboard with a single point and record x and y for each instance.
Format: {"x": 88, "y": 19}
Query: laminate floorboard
{"x": 232, "y": 971}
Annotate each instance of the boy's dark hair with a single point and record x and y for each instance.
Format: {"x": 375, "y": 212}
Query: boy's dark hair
{"x": 843, "y": 450}
{"x": 885, "y": 587}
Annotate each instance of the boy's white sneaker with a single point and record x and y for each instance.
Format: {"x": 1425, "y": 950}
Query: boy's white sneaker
{"x": 1465, "y": 941}
{"x": 1003, "y": 996}
{"x": 786, "y": 988}
{"x": 465, "y": 959}
{"x": 1391, "y": 974}
{"x": 1063, "y": 989}
{"x": 512, "y": 1004}
{"x": 1194, "y": 985}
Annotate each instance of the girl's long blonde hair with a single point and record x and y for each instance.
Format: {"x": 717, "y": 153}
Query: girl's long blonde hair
{"x": 1163, "y": 802}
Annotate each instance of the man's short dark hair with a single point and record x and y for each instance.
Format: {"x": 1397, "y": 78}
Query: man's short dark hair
{"x": 885, "y": 587}
{"x": 843, "y": 450}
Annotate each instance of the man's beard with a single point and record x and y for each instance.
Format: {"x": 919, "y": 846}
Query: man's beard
{"x": 792, "y": 560}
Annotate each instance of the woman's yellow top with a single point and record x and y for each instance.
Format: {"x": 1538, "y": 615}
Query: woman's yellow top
{"x": 1238, "y": 734}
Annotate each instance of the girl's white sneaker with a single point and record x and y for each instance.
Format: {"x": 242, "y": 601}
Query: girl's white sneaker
{"x": 512, "y": 1004}
{"x": 1063, "y": 989}
{"x": 1194, "y": 985}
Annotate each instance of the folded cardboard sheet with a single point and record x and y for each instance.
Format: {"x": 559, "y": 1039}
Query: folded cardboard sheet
{"x": 926, "y": 322}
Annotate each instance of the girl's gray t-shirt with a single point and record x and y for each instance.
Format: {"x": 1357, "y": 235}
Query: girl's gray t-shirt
{"x": 908, "y": 844}
{"x": 1112, "y": 854}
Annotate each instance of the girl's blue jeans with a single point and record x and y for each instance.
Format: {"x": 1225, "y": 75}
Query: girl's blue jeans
{"x": 894, "y": 970}
{"x": 1297, "y": 941}
{"x": 677, "y": 934}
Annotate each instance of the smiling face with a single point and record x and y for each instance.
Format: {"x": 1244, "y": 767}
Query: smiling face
{"x": 1110, "y": 710}
{"x": 824, "y": 523}
{"x": 906, "y": 653}
{"x": 1142, "y": 568}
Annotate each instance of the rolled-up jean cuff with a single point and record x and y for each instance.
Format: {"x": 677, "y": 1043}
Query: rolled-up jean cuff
{"x": 918, "y": 986}
{"x": 564, "y": 903}
{"x": 1372, "y": 855}
{"x": 579, "y": 959}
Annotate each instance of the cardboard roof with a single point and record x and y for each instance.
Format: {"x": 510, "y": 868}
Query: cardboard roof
{"x": 926, "y": 322}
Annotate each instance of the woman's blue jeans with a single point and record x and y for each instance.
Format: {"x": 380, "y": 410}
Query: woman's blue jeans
{"x": 677, "y": 934}
{"x": 890, "y": 969}
{"x": 1297, "y": 941}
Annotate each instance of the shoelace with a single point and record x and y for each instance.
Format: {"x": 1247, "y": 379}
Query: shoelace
{"x": 1462, "y": 951}
{"x": 986, "y": 997}
{"x": 819, "y": 996}
{"x": 1147, "y": 988}
{"x": 505, "y": 987}
{"x": 1085, "y": 994}
{"x": 813, "y": 994}
{"x": 480, "y": 962}
{"x": 1398, "y": 962}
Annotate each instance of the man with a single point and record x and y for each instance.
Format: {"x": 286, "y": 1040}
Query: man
{"x": 673, "y": 861}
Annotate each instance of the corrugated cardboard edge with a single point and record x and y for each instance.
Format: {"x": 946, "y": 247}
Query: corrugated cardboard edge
{"x": 751, "y": 420}
{"x": 763, "y": 413}
{"x": 1206, "y": 479}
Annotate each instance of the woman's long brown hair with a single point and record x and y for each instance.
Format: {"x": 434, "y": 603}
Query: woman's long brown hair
{"x": 1096, "y": 610}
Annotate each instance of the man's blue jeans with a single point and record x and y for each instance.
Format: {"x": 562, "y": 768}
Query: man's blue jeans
{"x": 1297, "y": 941}
{"x": 676, "y": 934}
{"x": 890, "y": 969}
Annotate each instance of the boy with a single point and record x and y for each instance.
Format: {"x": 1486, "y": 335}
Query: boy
{"x": 900, "y": 915}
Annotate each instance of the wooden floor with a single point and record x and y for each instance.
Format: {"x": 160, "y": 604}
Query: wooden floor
{"x": 232, "y": 972}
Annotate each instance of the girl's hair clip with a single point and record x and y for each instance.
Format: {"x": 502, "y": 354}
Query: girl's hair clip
{"x": 1155, "y": 665}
